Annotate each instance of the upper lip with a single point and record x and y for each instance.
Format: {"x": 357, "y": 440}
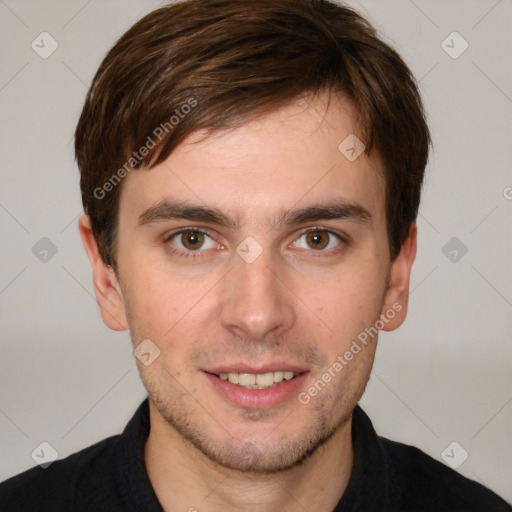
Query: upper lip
{"x": 256, "y": 368}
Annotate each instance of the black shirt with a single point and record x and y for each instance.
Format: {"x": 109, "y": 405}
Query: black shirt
{"x": 111, "y": 476}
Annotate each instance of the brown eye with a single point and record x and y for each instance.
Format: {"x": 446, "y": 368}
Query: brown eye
{"x": 320, "y": 240}
{"x": 317, "y": 239}
{"x": 192, "y": 239}
{"x": 190, "y": 242}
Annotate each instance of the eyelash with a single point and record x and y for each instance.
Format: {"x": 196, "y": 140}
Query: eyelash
{"x": 196, "y": 254}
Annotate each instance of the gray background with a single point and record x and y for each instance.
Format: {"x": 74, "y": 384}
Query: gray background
{"x": 444, "y": 376}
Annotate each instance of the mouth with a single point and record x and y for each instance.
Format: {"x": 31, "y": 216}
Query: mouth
{"x": 257, "y": 380}
{"x": 257, "y": 388}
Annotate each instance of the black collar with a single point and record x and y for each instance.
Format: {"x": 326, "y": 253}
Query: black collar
{"x": 368, "y": 487}
{"x": 132, "y": 477}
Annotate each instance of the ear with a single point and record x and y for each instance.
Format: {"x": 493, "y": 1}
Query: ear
{"x": 396, "y": 300}
{"x": 106, "y": 287}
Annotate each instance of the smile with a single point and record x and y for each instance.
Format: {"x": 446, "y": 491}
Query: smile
{"x": 258, "y": 380}
{"x": 261, "y": 390}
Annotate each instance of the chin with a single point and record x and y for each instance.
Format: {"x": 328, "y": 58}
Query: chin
{"x": 266, "y": 456}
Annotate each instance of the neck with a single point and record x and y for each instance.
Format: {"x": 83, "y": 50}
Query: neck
{"x": 185, "y": 479}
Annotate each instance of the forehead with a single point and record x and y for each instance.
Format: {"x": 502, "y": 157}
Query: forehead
{"x": 288, "y": 158}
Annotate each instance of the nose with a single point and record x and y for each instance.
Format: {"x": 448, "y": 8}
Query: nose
{"x": 256, "y": 301}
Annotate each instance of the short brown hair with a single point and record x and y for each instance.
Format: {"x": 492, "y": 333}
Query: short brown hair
{"x": 236, "y": 60}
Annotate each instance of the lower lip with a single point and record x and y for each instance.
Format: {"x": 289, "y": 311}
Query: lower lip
{"x": 257, "y": 398}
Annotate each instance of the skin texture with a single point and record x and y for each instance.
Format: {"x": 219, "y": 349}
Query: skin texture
{"x": 294, "y": 303}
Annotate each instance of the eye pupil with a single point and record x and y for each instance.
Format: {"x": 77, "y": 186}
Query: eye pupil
{"x": 315, "y": 237}
{"x": 192, "y": 239}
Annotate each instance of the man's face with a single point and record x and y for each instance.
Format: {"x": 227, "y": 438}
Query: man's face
{"x": 261, "y": 297}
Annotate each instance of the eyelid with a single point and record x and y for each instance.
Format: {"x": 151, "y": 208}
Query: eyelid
{"x": 342, "y": 236}
{"x": 205, "y": 231}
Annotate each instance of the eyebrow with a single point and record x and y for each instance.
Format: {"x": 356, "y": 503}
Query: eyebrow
{"x": 340, "y": 209}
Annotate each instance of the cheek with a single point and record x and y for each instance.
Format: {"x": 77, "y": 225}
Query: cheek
{"x": 168, "y": 308}
{"x": 154, "y": 308}
{"x": 349, "y": 302}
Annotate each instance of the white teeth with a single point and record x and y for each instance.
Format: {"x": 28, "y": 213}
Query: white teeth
{"x": 247, "y": 379}
{"x": 265, "y": 379}
{"x": 234, "y": 378}
{"x": 257, "y": 381}
{"x": 278, "y": 377}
